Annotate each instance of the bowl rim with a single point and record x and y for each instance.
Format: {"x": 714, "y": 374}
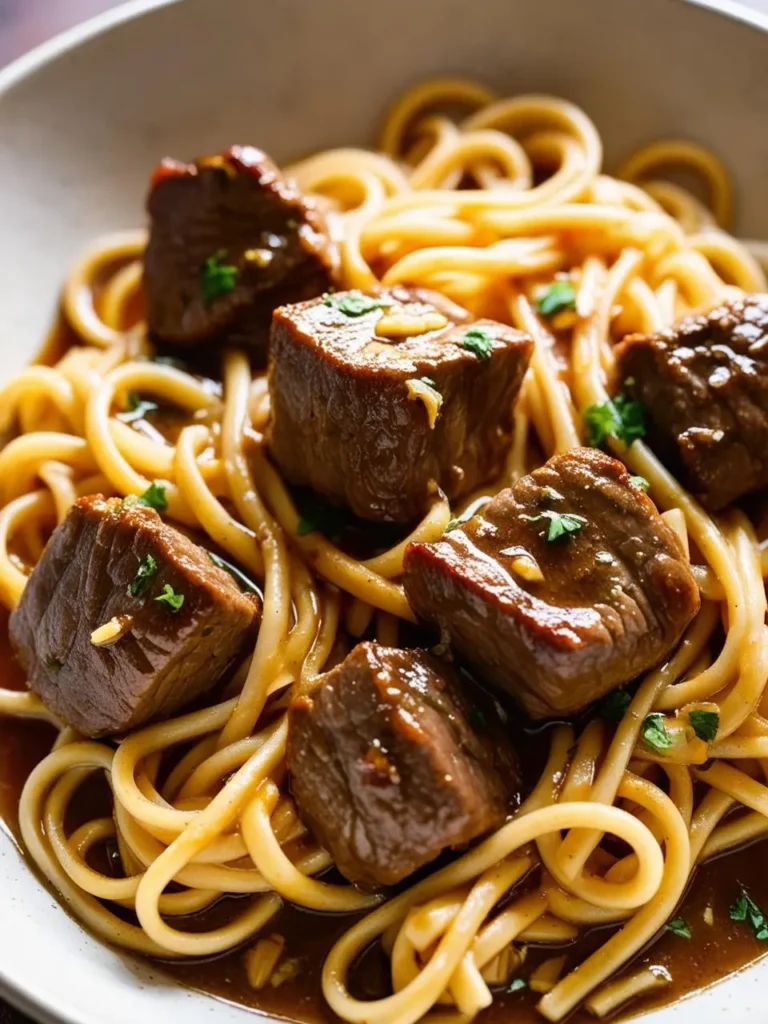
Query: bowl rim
{"x": 52, "y": 49}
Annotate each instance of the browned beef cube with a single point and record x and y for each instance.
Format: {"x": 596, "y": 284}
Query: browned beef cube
{"x": 230, "y": 240}
{"x": 704, "y": 385}
{"x": 173, "y": 620}
{"x": 392, "y": 762}
{"x": 374, "y": 420}
{"x": 563, "y": 587}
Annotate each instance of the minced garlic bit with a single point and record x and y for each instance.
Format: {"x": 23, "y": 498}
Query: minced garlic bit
{"x": 565, "y": 320}
{"x": 546, "y": 975}
{"x": 286, "y": 970}
{"x": 709, "y": 916}
{"x": 523, "y": 564}
{"x": 261, "y": 257}
{"x": 111, "y": 631}
{"x": 261, "y": 960}
{"x": 424, "y": 391}
{"x": 527, "y": 568}
{"x": 406, "y": 325}
{"x": 218, "y": 163}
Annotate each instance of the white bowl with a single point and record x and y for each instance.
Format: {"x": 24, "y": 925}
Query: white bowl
{"x": 84, "y": 119}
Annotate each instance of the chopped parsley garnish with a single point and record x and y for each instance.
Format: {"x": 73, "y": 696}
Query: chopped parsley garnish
{"x": 562, "y": 525}
{"x": 216, "y": 278}
{"x": 137, "y": 408}
{"x": 292, "y": 224}
{"x": 354, "y": 303}
{"x": 623, "y": 418}
{"x": 517, "y": 984}
{"x": 639, "y": 481}
{"x": 154, "y": 497}
{"x": 745, "y": 909}
{"x": 478, "y": 719}
{"x": 171, "y": 598}
{"x": 705, "y": 724}
{"x": 470, "y": 511}
{"x": 318, "y": 516}
{"x": 613, "y": 707}
{"x": 560, "y": 296}
{"x": 655, "y": 733}
{"x": 207, "y": 630}
{"x": 679, "y": 927}
{"x": 479, "y": 341}
{"x": 239, "y": 577}
{"x": 144, "y": 574}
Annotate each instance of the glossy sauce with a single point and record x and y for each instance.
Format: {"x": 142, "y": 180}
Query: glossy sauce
{"x": 714, "y": 951}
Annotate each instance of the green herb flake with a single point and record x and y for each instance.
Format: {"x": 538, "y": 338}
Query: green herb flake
{"x": 679, "y": 927}
{"x": 207, "y": 630}
{"x": 154, "y": 497}
{"x": 655, "y": 734}
{"x": 470, "y": 511}
{"x": 137, "y": 408}
{"x": 171, "y": 598}
{"x": 632, "y": 419}
{"x": 622, "y": 418}
{"x": 239, "y": 577}
{"x": 614, "y": 706}
{"x": 478, "y": 719}
{"x": 319, "y": 516}
{"x": 479, "y": 342}
{"x": 517, "y": 985}
{"x": 217, "y": 278}
{"x": 560, "y": 296}
{"x": 354, "y": 303}
{"x": 705, "y": 724}
{"x": 639, "y": 482}
{"x": 745, "y": 909}
{"x": 144, "y": 575}
{"x": 562, "y": 525}
{"x": 601, "y": 422}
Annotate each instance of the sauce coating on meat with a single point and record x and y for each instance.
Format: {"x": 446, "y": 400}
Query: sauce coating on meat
{"x": 704, "y": 385}
{"x": 378, "y": 400}
{"x": 564, "y": 587}
{"x": 391, "y": 763}
{"x": 230, "y": 239}
{"x": 124, "y": 619}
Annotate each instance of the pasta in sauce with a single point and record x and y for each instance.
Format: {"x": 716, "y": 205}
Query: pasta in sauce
{"x": 488, "y": 210}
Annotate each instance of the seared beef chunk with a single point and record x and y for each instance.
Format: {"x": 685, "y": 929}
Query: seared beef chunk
{"x": 562, "y": 588}
{"x": 230, "y": 239}
{"x": 377, "y": 400}
{"x": 391, "y": 762}
{"x": 704, "y": 385}
{"x": 172, "y": 621}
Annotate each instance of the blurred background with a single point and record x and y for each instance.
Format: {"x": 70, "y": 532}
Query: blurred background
{"x": 25, "y": 23}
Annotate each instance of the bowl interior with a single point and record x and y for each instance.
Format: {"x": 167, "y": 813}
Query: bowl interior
{"x": 80, "y": 132}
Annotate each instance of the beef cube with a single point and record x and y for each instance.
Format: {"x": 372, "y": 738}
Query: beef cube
{"x": 704, "y": 385}
{"x": 230, "y": 239}
{"x": 564, "y": 587}
{"x": 392, "y": 762}
{"x": 377, "y": 400}
{"x": 172, "y": 621}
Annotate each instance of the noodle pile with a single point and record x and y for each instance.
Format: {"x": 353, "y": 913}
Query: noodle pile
{"x": 201, "y": 800}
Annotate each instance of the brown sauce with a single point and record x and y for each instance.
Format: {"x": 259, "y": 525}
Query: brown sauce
{"x": 714, "y": 950}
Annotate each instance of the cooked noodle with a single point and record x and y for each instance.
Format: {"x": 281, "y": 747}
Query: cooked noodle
{"x": 641, "y": 251}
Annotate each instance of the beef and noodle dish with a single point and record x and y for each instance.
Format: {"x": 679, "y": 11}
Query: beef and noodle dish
{"x": 383, "y": 543}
